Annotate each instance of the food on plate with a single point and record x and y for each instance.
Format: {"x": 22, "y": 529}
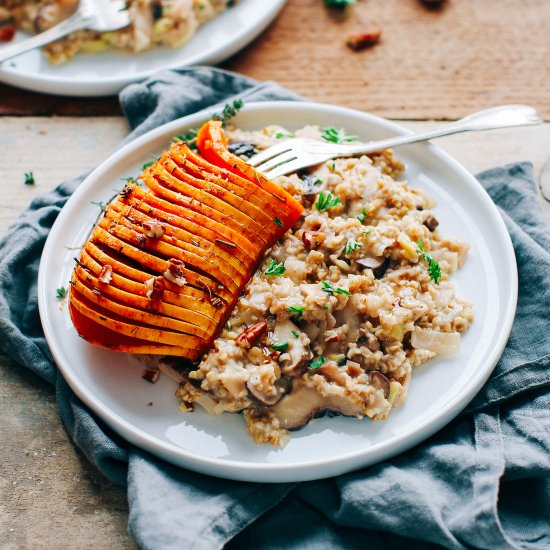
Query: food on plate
{"x": 153, "y": 23}
{"x": 164, "y": 267}
{"x": 324, "y": 311}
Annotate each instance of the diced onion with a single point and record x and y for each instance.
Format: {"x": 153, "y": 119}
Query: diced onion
{"x": 442, "y": 343}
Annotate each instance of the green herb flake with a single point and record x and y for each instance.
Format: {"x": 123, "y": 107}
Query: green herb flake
{"x": 316, "y": 363}
{"x": 296, "y": 333}
{"x": 366, "y": 233}
{"x": 352, "y": 245}
{"x": 283, "y": 135}
{"x": 189, "y": 138}
{"x": 229, "y": 111}
{"x": 148, "y": 165}
{"x": 29, "y": 178}
{"x": 278, "y": 222}
{"x": 361, "y": 217}
{"x": 297, "y": 310}
{"x": 274, "y": 268}
{"x": 434, "y": 269}
{"x": 280, "y": 346}
{"x": 326, "y": 201}
{"x": 61, "y": 292}
{"x": 339, "y": 4}
{"x": 227, "y": 326}
{"x": 102, "y": 205}
{"x": 331, "y": 289}
{"x": 337, "y": 136}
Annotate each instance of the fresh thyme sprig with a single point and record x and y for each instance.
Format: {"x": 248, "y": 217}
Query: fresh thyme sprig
{"x": 434, "y": 269}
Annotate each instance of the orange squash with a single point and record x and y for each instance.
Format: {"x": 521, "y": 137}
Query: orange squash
{"x": 165, "y": 266}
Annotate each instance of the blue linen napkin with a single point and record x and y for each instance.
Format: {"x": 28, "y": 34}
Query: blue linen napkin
{"x": 481, "y": 482}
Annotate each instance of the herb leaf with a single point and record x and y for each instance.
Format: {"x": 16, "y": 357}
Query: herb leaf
{"x": 326, "y": 201}
{"x": 278, "y": 222}
{"x": 280, "y": 346}
{"x": 296, "y": 333}
{"x": 61, "y": 292}
{"x": 316, "y": 363}
{"x": 229, "y": 111}
{"x": 337, "y": 136}
{"x": 189, "y": 138}
{"x": 283, "y": 135}
{"x": 339, "y": 4}
{"x": 361, "y": 217}
{"x": 331, "y": 289}
{"x": 102, "y": 205}
{"x": 29, "y": 178}
{"x": 434, "y": 269}
{"x": 274, "y": 268}
{"x": 298, "y": 310}
{"x": 352, "y": 245}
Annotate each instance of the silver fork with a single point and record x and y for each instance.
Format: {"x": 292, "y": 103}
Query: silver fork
{"x": 95, "y": 15}
{"x": 297, "y": 153}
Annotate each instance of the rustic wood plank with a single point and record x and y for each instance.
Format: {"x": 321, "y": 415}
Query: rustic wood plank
{"x": 430, "y": 64}
{"x": 51, "y": 496}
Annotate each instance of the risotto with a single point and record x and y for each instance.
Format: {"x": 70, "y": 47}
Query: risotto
{"x": 343, "y": 307}
{"x": 153, "y": 23}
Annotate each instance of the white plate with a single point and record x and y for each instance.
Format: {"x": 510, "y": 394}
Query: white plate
{"x": 107, "y": 73}
{"x": 110, "y": 383}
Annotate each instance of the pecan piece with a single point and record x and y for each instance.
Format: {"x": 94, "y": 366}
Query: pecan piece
{"x": 154, "y": 288}
{"x": 106, "y": 274}
{"x": 174, "y": 273}
{"x": 151, "y": 375}
{"x": 153, "y": 230}
{"x": 249, "y": 336}
{"x": 363, "y": 40}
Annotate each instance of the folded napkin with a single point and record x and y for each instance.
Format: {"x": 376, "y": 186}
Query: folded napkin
{"x": 481, "y": 482}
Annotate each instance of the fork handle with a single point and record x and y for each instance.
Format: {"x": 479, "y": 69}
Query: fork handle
{"x": 74, "y": 23}
{"x": 505, "y": 116}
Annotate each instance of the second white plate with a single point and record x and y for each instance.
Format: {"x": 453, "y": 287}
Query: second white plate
{"x": 147, "y": 415}
{"x": 107, "y": 73}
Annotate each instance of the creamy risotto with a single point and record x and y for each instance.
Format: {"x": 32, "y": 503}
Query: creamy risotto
{"x": 342, "y": 309}
{"x": 153, "y": 23}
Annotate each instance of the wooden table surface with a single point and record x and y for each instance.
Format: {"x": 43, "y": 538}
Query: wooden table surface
{"x": 429, "y": 66}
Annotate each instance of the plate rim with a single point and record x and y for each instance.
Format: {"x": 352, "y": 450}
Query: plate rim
{"x": 111, "y": 85}
{"x": 352, "y": 460}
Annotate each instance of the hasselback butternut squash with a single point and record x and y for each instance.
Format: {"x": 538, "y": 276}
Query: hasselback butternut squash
{"x": 164, "y": 267}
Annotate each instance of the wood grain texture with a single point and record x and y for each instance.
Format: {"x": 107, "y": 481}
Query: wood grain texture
{"x": 438, "y": 64}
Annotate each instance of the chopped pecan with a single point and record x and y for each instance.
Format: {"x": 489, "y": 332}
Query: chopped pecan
{"x": 360, "y": 41}
{"x": 431, "y": 223}
{"x": 251, "y": 335}
{"x": 153, "y": 230}
{"x": 106, "y": 274}
{"x": 154, "y": 288}
{"x": 151, "y": 375}
{"x": 174, "y": 273}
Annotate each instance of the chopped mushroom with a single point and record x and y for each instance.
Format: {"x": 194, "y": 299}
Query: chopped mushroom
{"x": 304, "y": 403}
{"x": 380, "y": 382}
{"x": 294, "y": 360}
{"x": 378, "y": 265}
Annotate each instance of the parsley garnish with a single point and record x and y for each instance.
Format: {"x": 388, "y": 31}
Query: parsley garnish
{"x": 148, "y": 165}
{"x": 274, "y": 268}
{"x": 337, "y": 136}
{"x": 61, "y": 292}
{"x": 324, "y": 202}
{"x": 227, "y": 326}
{"x": 229, "y": 111}
{"x": 361, "y": 217}
{"x": 280, "y": 346}
{"x": 298, "y": 310}
{"x": 278, "y": 222}
{"x": 434, "y": 269}
{"x": 331, "y": 289}
{"x": 340, "y": 4}
{"x": 296, "y": 333}
{"x": 189, "y": 138}
{"x": 316, "y": 363}
{"x": 366, "y": 233}
{"x": 29, "y": 178}
{"x": 352, "y": 245}
{"x": 283, "y": 135}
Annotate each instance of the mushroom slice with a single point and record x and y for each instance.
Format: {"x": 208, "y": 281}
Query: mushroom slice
{"x": 378, "y": 265}
{"x": 380, "y": 382}
{"x": 295, "y": 358}
{"x": 282, "y": 386}
{"x": 303, "y": 403}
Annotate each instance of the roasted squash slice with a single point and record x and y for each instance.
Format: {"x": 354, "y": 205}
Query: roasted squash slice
{"x": 165, "y": 266}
